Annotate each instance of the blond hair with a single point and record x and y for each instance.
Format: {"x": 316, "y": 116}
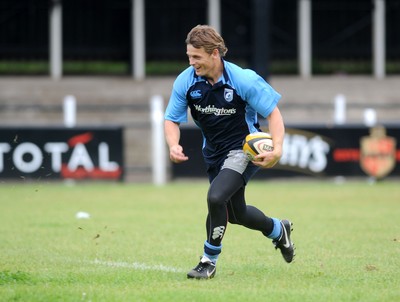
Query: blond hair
{"x": 207, "y": 37}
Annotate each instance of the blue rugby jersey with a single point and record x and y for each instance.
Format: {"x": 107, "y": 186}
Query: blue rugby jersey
{"x": 225, "y": 112}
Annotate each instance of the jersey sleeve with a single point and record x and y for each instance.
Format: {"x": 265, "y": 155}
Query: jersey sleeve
{"x": 176, "y": 110}
{"x": 258, "y": 93}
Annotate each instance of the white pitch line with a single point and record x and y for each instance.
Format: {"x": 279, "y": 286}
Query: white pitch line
{"x": 139, "y": 266}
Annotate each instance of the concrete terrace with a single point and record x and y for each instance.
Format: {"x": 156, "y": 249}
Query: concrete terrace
{"x": 37, "y": 101}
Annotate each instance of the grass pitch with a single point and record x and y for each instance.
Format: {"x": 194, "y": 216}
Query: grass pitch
{"x": 140, "y": 241}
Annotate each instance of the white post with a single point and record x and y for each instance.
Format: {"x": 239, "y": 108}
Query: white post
{"x": 69, "y": 108}
{"x": 369, "y": 117}
{"x": 138, "y": 40}
{"x": 214, "y": 14}
{"x": 340, "y": 109}
{"x": 158, "y": 148}
{"x": 379, "y": 40}
{"x": 304, "y": 38}
{"x": 56, "y": 39}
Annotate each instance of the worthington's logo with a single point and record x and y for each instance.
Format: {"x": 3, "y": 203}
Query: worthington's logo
{"x": 213, "y": 110}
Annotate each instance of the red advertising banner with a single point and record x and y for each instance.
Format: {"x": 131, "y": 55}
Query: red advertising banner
{"x": 61, "y": 153}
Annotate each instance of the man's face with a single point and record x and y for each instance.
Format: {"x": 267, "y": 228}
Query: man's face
{"x": 202, "y": 62}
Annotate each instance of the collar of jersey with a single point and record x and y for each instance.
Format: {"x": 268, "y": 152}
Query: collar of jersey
{"x": 224, "y": 78}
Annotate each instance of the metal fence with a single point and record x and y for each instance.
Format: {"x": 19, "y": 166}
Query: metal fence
{"x": 101, "y": 30}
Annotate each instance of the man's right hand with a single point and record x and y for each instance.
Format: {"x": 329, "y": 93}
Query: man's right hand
{"x": 176, "y": 154}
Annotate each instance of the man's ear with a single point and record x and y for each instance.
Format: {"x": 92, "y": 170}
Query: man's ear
{"x": 215, "y": 53}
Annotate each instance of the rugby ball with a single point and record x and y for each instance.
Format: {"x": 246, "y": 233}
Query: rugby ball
{"x": 256, "y": 143}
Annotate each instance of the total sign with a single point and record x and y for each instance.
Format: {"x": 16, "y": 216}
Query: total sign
{"x": 40, "y": 153}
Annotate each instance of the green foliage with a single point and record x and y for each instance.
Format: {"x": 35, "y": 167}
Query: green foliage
{"x": 141, "y": 240}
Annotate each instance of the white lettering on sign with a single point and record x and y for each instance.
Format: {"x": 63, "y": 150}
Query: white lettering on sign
{"x": 104, "y": 160}
{"x": 4, "y": 148}
{"x": 56, "y": 150}
{"x": 80, "y": 157}
{"x": 305, "y": 153}
{"x": 20, "y": 161}
{"x": 28, "y": 157}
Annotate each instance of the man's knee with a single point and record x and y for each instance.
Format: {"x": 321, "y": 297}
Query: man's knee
{"x": 215, "y": 198}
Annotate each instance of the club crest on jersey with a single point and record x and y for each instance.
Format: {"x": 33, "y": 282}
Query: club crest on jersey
{"x": 228, "y": 94}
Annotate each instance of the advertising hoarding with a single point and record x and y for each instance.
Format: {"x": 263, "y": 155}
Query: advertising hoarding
{"x": 61, "y": 153}
{"x": 316, "y": 151}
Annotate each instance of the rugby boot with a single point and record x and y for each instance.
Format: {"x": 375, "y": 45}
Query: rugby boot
{"x": 284, "y": 242}
{"x": 204, "y": 270}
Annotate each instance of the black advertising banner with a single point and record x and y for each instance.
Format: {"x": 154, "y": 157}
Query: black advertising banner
{"x": 61, "y": 153}
{"x": 316, "y": 151}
